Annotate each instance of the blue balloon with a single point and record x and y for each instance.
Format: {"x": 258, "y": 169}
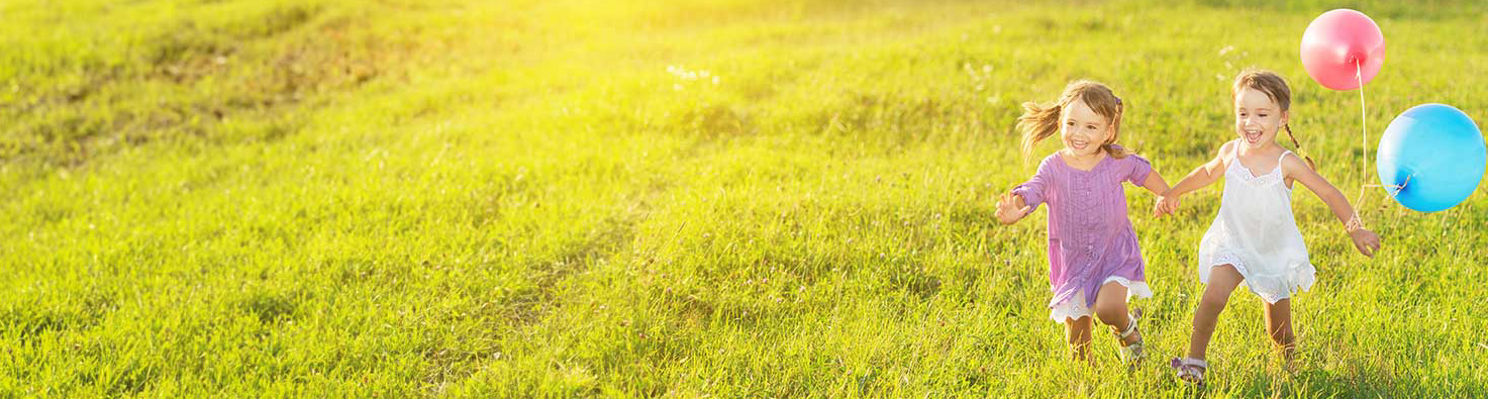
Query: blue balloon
{"x": 1436, "y": 152}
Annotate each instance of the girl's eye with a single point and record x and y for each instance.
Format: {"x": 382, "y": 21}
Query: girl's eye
{"x": 1071, "y": 123}
{"x": 1261, "y": 115}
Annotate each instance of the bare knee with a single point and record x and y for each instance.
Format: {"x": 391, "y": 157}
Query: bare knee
{"x": 1112, "y": 313}
{"x": 1213, "y": 302}
{"x": 1222, "y": 281}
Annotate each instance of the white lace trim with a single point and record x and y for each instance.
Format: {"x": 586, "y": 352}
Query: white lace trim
{"x": 1245, "y": 175}
{"x": 1074, "y": 307}
{"x": 1240, "y": 173}
{"x": 1300, "y": 278}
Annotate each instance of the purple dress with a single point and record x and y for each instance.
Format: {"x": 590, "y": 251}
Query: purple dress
{"x": 1091, "y": 241}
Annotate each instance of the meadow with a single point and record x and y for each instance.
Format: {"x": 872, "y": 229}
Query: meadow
{"x": 712, "y": 198}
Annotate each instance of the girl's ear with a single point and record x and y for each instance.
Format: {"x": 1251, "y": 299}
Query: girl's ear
{"x": 1285, "y": 117}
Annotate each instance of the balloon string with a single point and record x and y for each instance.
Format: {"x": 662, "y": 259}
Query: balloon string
{"x": 1364, "y": 127}
{"x": 1401, "y": 186}
{"x": 1394, "y": 189}
{"x": 1354, "y": 221}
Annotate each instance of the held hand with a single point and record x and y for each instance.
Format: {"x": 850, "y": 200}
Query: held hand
{"x": 1165, "y": 205}
{"x": 1011, "y": 208}
{"x": 1366, "y": 241}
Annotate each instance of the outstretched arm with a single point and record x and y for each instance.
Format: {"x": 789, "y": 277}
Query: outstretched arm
{"x": 1364, "y": 240}
{"x": 1155, "y": 183}
{"x": 1202, "y": 176}
{"x": 1013, "y": 206}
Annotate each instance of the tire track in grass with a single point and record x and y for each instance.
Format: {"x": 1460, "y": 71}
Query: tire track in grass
{"x": 203, "y": 72}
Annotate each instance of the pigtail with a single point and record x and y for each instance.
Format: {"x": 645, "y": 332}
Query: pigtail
{"x": 1298, "y": 145}
{"x": 1110, "y": 146}
{"x": 1037, "y": 123}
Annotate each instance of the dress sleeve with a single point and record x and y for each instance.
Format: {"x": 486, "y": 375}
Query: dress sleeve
{"x": 1035, "y": 190}
{"x": 1139, "y": 168}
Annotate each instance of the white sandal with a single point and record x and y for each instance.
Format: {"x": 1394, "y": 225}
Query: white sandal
{"x": 1190, "y": 370}
{"x": 1132, "y": 354}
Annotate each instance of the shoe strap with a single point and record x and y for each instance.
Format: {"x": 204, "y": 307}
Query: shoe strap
{"x": 1130, "y": 328}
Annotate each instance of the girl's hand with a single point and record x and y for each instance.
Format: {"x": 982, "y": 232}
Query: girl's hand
{"x": 1165, "y": 205}
{"x": 1366, "y": 241}
{"x": 1011, "y": 208}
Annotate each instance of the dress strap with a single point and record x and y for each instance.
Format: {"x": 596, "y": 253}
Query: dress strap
{"x": 1234, "y": 144}
{"x": 1283, "y": 157}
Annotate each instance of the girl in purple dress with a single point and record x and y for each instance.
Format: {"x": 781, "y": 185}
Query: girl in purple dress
{"x": 1095, "y": 264}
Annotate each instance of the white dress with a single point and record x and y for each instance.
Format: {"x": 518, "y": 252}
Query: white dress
{"x": 1257, "y": 234}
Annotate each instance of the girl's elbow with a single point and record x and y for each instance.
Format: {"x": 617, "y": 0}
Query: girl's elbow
{"x": 1208, "y": 176}
{"x": 1334, "y": 197}
{"x": 1206, "y": 179}
{"x": 1328, "y": 191}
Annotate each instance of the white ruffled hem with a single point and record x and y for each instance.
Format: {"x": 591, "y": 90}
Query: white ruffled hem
{"x": 1075, "y": 308}
{"x": 1274, "y": 288}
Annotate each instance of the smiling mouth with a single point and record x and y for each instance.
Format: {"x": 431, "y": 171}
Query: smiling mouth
{"x": 1079, "y": 144}
{"x": 1252, "y": 136}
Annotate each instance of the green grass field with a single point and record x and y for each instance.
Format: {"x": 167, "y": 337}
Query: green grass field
{"x": 714, "y": 198}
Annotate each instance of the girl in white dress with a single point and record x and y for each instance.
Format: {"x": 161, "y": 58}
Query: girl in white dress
{"x": 1254, "y": 239}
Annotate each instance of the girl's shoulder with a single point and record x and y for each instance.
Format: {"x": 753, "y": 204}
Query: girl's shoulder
{"x": 1227, "y": 152}
{"x": 1132, "y": 167}
{"x": 1228, "y": 149}
{"x": 1053, "y": 160}
{"x": 1290, "y": 163}
{"x": 1129, "y": 158}
{"x": 1129, "y": 155}
{"x": 1052, "y": 157}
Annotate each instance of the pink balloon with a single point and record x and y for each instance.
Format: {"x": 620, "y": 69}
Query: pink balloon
{"x": 1337, "y": 44}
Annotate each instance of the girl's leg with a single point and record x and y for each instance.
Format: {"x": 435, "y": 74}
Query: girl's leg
{"x": 1279, "y": 326}
{"x": 1110, "y": 307}
{"x": 1077, "y": 333}
{"x": 1222, "y": 280}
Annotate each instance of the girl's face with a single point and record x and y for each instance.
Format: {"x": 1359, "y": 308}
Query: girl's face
{"x": 1257, "y": 117}
{"x": 1083, "y": 130}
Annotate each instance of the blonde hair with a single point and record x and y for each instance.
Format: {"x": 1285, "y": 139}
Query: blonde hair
{"x": 1038, "y": 122}
{"x": 1275, "y": 87}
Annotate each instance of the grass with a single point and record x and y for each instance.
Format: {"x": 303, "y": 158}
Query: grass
{"x": 553, "y": 199}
